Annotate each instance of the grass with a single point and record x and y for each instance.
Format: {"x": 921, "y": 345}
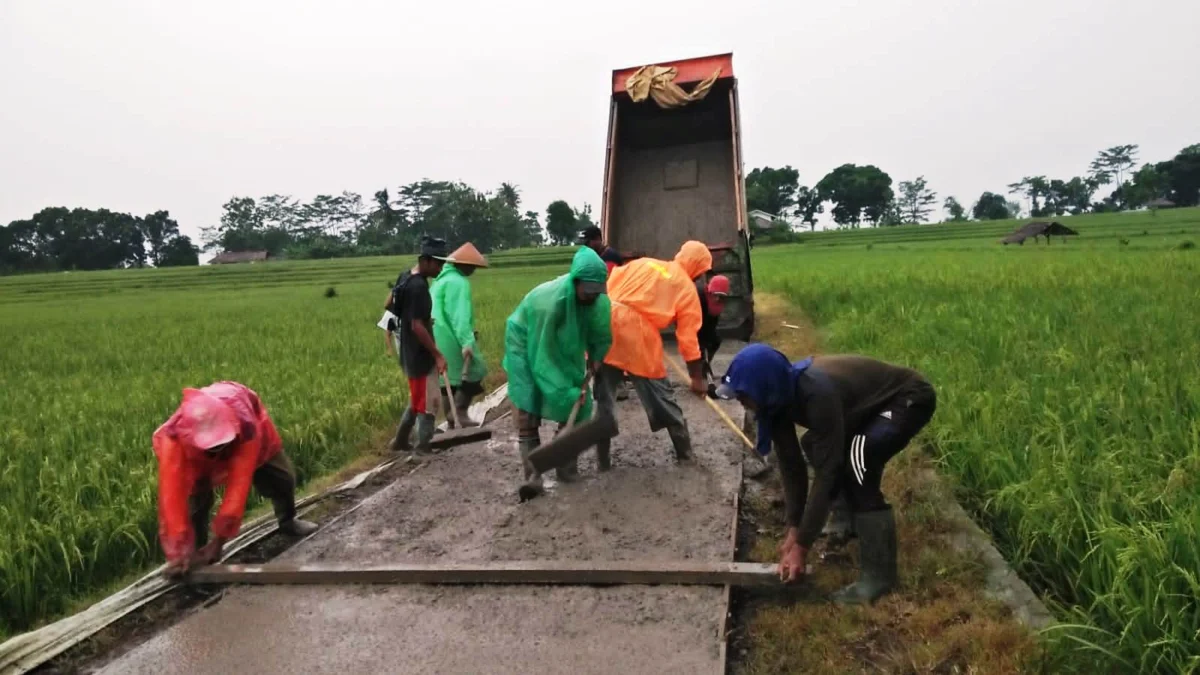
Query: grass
{"x": 1068, "y": 377}
{"x": 1069, "y": 393}
{"x": 94, "y": 362}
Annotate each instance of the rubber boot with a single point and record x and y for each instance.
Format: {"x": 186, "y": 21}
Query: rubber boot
{"x": 425, "y": 427}
{"x": 401, "y": 443}
{"x": 289, "y": 524}
{"x": 682, "y": 440}
{"x": 877, "y": 558}
{"x": 533, "y": 485}
{"x": 604, "y": 456}
{"x": 569, "y": 472}
{"x": 462, "y": 402}
{"x": 839, "y": 529}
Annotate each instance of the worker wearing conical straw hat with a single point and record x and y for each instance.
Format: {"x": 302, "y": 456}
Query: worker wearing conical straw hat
{"x": 454, "y": 329}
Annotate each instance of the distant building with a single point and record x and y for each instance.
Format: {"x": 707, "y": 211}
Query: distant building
{"x": 760, "y": 220}
{"x": 230, "y": 257}
{"x": 1041, "y": 228}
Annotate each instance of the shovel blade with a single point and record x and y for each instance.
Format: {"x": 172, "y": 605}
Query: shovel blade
{"x": 571, "y": 443}
{"x": 449, "y": 439}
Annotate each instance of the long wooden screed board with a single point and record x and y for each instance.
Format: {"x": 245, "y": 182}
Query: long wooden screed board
{"x": 514, "y": 572}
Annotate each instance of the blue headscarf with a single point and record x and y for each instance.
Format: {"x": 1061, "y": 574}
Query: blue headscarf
{"x": 764, "y": 375}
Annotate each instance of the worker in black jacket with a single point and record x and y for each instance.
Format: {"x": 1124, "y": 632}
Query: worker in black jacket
{"x": 712, "y": 302}
{"x": 859, "y": 413}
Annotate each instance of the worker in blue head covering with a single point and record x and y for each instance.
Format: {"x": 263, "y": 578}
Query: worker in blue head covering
{"x": 859, "y": 413}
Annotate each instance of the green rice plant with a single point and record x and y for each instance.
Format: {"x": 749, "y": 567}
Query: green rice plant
{"x": 1069, "y": 415}
{"x": 94, "y": 362}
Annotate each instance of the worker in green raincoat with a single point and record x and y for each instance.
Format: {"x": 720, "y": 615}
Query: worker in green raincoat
{"x": 454, "y": 331}
{"x": 558, "y": 332}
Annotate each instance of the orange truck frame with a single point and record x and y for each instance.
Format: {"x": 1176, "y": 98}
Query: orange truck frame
{"x": 676, "y": 174}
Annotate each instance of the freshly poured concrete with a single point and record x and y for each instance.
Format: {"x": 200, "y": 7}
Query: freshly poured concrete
{"x": 462, "y": 506}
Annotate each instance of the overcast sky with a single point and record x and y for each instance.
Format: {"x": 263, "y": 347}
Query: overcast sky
{"x": 144, "y": 105}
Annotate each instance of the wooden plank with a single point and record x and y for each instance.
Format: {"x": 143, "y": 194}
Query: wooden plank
{"x": 509, "y": 572}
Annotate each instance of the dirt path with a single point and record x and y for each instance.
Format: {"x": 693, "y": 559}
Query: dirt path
{"x": 462, "y": 507}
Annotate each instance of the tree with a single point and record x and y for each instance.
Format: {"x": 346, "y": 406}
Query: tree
{"x": 560, "y": 223}
{"x": 1182, "y": 176}
{"x": 1014, "y": 209}
{"x": 1033, "y": 187}
{"x": 1115, "y": 160}
{"x": 533, "y": 229}
{"x": 772, "y": 190}
{"x": 511, "y": 195}
{"x": 916, "y": 200}
{"x": 809, "y": 205}
{"x": 1147, "y": 185}
{"x": 858, "y": 193}
{"x": 954, "y": 209}
{"x": 178, "y": 252}
{"x": 158, "y": 228}
{"x": 990, "y": 206}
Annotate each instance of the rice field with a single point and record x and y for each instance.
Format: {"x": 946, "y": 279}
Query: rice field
{"x": 93, "y": 362}
{"x": 1068, "y": 411}
{"x": 1068, "y": 376}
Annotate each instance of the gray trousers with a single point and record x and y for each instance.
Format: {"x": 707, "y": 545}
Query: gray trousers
{"x": 662, "y": 411}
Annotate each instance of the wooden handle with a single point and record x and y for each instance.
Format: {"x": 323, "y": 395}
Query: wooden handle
{"x": 579, "y": 401}
{"x": 713, "y": 404}
{"x": 450, "y": 403}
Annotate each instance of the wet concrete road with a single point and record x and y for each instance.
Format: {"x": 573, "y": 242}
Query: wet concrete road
{"x": 462, "y": 506}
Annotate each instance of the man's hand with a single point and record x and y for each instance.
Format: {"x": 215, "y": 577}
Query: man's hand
{"x": 210, "y": 553}
{"x": 594, "y": 367}
{"x": 699, "y": 386}
{"x": 789, "y": 541}
{"x": 467, "y": 355}
{"x": 439, "y": 362}
{"x": 792, "y": 563}
{"x": 177, "y": 569}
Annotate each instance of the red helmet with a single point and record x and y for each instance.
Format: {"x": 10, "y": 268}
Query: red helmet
{"x": 718, "y": 289}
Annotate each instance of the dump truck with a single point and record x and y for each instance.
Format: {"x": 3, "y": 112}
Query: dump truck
{"x": 673, "y": 172}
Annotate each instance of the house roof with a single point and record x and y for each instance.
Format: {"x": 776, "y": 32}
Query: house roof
{"x": 238, "y": 257}
{"x": 1036, "y": 229}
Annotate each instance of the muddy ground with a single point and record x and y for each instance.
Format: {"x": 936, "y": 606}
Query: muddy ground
{"x": 462, "y": 507}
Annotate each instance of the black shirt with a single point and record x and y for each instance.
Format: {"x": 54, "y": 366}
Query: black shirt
{"x": 835, "y": 398}
{"x": 414, "y": 303}
{"x": 709, "y": 340}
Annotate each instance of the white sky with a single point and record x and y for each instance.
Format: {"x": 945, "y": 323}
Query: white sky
{"x": 144, "y": 105}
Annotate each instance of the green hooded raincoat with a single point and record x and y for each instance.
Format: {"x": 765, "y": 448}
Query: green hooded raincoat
{"x": 550, "y": 337}
{"x": 454, "y": 325}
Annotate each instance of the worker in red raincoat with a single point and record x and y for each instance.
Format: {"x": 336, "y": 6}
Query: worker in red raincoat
{"x": 220, "y": 435}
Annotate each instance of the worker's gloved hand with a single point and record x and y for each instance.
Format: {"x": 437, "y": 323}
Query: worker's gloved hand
{"x": 439, "y": 362}
{"x": 467, "y": 355}
{"x": 712, "y": 391}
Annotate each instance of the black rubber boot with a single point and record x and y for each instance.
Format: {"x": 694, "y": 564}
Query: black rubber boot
{"x": 402, "y": 443}
{"x": 840, "y": 527}
{"x": 682, "y": 440}
{"x": 877, "y": 558}
{"x": 604, "y": 456}
{"x": 569, "y": 472}
{"x": 425, "y": 427}
{"x": 462, "y": 402}
{"x": 533, "y": 485}
{"x": 289, "y": 524}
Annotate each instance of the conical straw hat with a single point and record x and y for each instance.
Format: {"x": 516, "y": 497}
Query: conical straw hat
{"x": 467, "y": 254}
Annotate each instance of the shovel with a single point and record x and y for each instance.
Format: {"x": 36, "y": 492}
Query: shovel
{"x": 459, "y": 435}
{"x": 747, "y": 444}
{"x": 568, "y": 445}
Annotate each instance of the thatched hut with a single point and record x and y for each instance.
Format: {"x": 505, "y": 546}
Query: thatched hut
{"x": 1040, "y": 228}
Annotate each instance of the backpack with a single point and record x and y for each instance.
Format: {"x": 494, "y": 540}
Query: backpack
{"x": 393, "y": 305}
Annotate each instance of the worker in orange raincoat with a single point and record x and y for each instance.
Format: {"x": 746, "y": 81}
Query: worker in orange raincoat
{"x": 647, "y": 295}
{"x": 220, "y": 435}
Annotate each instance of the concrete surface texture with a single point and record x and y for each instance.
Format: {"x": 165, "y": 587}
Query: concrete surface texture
{"x": 463, "y": 507}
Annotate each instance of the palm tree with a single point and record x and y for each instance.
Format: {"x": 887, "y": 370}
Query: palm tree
{"x": 511, "y": 195}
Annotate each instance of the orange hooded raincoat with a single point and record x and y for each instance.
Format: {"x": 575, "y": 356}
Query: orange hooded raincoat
{"x": 181, "y": 466}
{"x": 647, "y": 295}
